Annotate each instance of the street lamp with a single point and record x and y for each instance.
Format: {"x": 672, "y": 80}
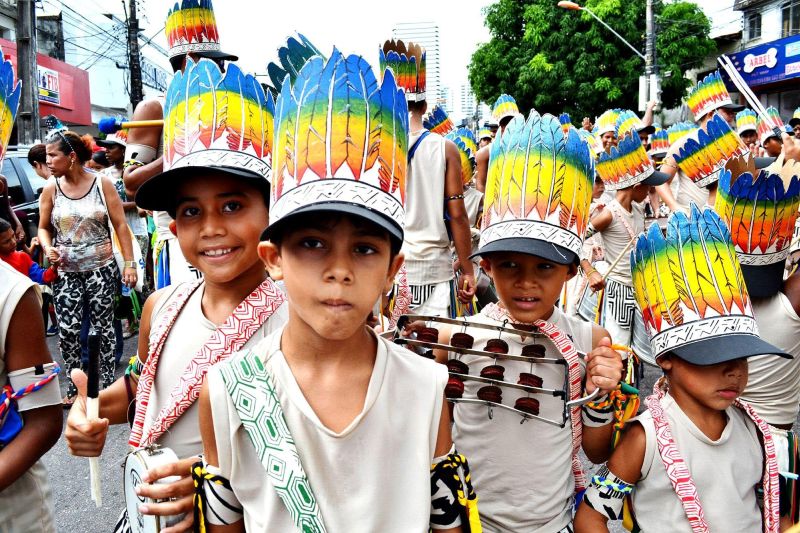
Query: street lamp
{"x": 564, "y": 4}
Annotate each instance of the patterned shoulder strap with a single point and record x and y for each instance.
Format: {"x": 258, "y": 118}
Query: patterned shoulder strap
{"x": 252, "y": 390}
{"x": 616, "y": 212}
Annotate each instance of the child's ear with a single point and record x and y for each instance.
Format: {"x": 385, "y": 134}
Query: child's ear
{"x": 486, "y": 265}
{"x": 173, "y": 227}
{"x": 270, "y": 255}
{"x": 665, "y": 362}
{"x": 394, "y": 268}
{"x": 572, "y": 269}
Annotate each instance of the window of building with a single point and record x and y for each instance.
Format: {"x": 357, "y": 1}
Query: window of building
{"x": 752, "y": 26}
{"x": 790, "y": 18}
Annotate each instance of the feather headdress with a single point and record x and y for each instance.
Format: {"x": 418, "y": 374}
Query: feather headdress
{"x": 465, "y": 141}
{"x": 9, "y": 103}
{"x": 709, "y": 94}
{"x": 437, "y": 121}
{"x": 291, "y": 59}
{"x": 628, "y": 121}
{"x": 407, "y": 62}
{"x": 680, "y": 130}
{"x": 659, "y": 143}
{"x": 626, "y": 164}
{"x": 765, "y": 130}
{"x": 795, "y": 120}
{"x": 539, "y": 184}
{"x": 689, "y": 284}
{"x": 593, "y": 141}
{"x": 746, "y": 120}
{"x": 340, "y": 138}
{"x": 219, "y": 119}
{"x": 760, "y": 211}
{"x": 485, "y": 133}
{"x": 192, "y": 27}
{"x": 606, "y": 122}
{"x": 504, "y": 106}
{"x": 706, "y": 151}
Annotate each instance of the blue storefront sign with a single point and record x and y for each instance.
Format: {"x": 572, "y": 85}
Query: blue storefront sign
{"x": 769, "y": 62}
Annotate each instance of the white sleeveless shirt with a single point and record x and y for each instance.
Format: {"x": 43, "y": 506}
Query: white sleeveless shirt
{"x": 373, "y": 476}
{"x": 616, "y": 238}
{"x": 522, "y": 473}
{"x": 773, "y": 386}
{"x": 725, "y": 471}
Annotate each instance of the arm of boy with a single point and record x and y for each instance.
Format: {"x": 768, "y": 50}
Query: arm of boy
{"x": 117, "y": 215}
{"x": 444, "y": 443}
{"x": 459, "y": 221}
{"x": 134, "y": 176}
{"x": 481, "y": 168}
{"x": 86, "y": 438}
{"x": 210, "y": 453}
{"x": 600, "y": 223}
{"x": 26, "y": 347}
{"x": 625, "y": 463}
{"x": 604, "y": 372}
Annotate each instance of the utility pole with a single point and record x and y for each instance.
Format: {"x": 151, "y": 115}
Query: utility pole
{"x": 137, "y": 92}
{"x": 650, "y": 67}
{"x": 28, "y": 115}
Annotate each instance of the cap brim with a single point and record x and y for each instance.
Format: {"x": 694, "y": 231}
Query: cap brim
{"x": 160, "y": 193}
{"x": 732, "y": 107}
{"x": 763, "y": 162}
{"x": 545, "y": 250}
{"x": 217, "y": 54}
{"x": 727, "y": 347}
{"x": 763, "y": 281}
{"x": 656, "y": 178}
{"x": 794, "y": 122}
{"x": 108, "y": 144}
{"x": 648, "y": 130}
{"x": 395, "y": 232}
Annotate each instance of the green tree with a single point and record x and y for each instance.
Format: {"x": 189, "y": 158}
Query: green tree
{"x": 556, "y": 60}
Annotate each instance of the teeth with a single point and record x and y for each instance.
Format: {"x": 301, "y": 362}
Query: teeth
{"x": 216, "y": 253}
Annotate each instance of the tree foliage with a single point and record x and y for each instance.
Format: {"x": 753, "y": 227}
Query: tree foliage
{"x": 557, "y": 60}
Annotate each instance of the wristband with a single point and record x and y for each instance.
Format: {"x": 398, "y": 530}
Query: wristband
{"x": 598, "y": 413}
{"x": 129, "y": 264}
{"x": 590, "y": 272}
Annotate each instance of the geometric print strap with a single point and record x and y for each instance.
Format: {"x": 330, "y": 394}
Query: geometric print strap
{"x": 677, "y": 470}
{"x": 228, "y": 338}
{"x": 616, "y": 212}
{"x": 251, "y": 388}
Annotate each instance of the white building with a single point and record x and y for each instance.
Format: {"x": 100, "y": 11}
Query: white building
{"x": 427, "y": 35}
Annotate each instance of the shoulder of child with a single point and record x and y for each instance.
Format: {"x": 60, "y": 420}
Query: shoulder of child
{"x": 791, "y": 289}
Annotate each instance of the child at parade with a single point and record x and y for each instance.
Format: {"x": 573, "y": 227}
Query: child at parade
{"x": 529, "y": 272}
{"x": 219, "y": 206}
{"x": 21, "y": 261}
{"x": 31, "y": 423}
{"x": 694, "y": 459}
{"x": 362, "y": 420}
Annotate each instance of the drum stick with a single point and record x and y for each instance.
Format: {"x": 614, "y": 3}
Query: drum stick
{"x": 109, "y": 125}
{"x": 751, "y": 98}
{"x": 619, "y": 258}
{"x": 93, "y": 412}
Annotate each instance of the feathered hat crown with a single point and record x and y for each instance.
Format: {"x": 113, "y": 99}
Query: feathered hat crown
{"x": 467, "y": 146}
{"x": 539, "y": 184}
{"x": 437, "y": 121}
{"x": 341, "y": 142}
{"x": 746, "y": 120}
{"x": 659, "y": 143}
{"x": 504, "y": 106}
{"x": 626, "y": 164}
{"x": 707, "y": 150}
{"x": 628, "y": 121}
{"x": 485, "y": 133}
{"x": 9, "y": 103}
{"x": 795, "y": 120}
{"x": 593, "y": 141}
{"x": 407, "y": 61}
{"x": 689, "y": 284}
{"x": 213, "y": 118}
{"x": 606, "y": 122}
{"x": 709, "y": 94}
{"x": 765, "y": 130}
{"x": 192, "y": 27}
{"x": 291, "y": 58}
{"x": 760, "y": 211}
{"x": 680, "y": 130}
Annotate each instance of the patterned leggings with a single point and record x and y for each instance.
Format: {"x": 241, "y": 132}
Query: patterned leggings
{"x": 73, "y": 290}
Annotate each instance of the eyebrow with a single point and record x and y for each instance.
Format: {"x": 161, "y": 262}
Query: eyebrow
{"x": 231, "y": 194}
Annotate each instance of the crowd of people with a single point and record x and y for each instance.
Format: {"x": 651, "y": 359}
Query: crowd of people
{"x": 358, "y": 317}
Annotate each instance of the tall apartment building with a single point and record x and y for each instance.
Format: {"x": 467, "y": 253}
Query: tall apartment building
{"x": 426, "y": 34}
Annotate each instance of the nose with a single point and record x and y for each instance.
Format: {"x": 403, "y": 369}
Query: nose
{"x": 340, "y": 265}
{"x": 212, "y": 224}
{"x": 736, "y": 368}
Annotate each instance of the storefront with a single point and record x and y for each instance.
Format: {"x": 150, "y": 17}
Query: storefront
{"x": 772, "y": 70}
{"x": 63, "y": 89}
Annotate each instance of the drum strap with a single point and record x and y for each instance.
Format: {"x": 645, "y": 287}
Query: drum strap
{"x": 252, "y": 390}
{"x": 245, "y": 320}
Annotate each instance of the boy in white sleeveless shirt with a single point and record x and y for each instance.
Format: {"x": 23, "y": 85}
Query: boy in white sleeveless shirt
{"x": 627, "y": 169}
{"x": 694, "y": 459}
{"x": 773, "y": 387}
{"x": 359, "y": 420}
{"x": 527, "y": 474}
{"x": 218, "y": 198}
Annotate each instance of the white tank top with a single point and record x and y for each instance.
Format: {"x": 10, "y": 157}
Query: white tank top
{"x": 373, "y": 476}
{"x": 773, "y": 387}
{"x": 726, "y": 472}
{"x": 683, "y": 189}
{"x": 426, "y": 246}
{"x": 522, "y": 473}
{"x": 617, "y": 236}
{"x": 189, "y": 333}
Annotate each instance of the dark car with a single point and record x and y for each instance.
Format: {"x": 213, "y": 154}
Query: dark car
{"x": 24, "y": 187}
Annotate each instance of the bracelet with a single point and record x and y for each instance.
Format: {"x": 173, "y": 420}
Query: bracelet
{"x": 590, "y": 272}
{"x": 129, "y": 264}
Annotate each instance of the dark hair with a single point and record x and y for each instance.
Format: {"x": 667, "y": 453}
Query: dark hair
{"x": 100, "y": 158}
{"x": 37, "y": 154}
{"x": 69, "y": 141}
{"x": 417, "y": 107}
{"x": 5, "y": 225}
{"x": 177, "y": 62}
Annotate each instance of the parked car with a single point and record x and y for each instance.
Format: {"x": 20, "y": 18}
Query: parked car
{"x": 24, "y": 188}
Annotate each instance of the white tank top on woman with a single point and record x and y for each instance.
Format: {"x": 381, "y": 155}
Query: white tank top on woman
{"x": 373, "y": 476}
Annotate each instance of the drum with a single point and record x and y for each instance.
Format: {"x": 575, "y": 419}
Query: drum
{"x": 137, "y": 463}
